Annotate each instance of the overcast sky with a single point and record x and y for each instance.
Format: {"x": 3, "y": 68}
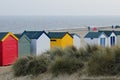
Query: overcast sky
{"x": 59, "y": 7}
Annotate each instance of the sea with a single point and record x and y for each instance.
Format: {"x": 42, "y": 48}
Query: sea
{"x": 17, "y": 24}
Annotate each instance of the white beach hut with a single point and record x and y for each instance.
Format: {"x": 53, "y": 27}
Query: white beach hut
{"x": 76, "y": 40}
{"x": 112, "y": 38}
{"x": 96, "y": 38}
{"x": 40, "y": 41}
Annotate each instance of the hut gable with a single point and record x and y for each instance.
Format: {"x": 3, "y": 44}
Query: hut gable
{"x": 24, "y": 45}
{"x": 67, "y": 40}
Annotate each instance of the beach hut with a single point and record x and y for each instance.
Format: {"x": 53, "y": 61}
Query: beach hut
{"x": 40, "y": 41}
{"x": 76, "y": 40}
{"x": 24, "y": 45}
{"x": 60, "y": 39}
{"x": 96, "y": 38}
{"x": 117, "y": 33}
{"x": 112, "y": 38}
{"x": 8, "y": 48}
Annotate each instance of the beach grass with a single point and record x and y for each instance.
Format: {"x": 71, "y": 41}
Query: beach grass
{"x": 95, "y": 60}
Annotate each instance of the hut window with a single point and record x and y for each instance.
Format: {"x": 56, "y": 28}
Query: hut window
{"x": 91, "y": 38}
{"x": 102, "y": 41}
{"x": 52, "y": 40}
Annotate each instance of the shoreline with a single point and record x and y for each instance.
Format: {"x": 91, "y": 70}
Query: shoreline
{"x": 79, "y": 28}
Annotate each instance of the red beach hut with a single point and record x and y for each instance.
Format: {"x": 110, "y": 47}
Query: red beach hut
{"x": 8, "y": 48}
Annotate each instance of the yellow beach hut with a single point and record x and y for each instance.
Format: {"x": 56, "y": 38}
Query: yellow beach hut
{"x": 60, "y": 39}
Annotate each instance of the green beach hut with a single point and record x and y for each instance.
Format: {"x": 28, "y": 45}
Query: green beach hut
{"x": 24, "y": 45}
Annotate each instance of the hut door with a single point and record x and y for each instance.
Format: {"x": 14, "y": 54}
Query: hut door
{"x": 112, "y": 40}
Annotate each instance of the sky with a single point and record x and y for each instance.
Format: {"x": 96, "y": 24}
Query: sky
{"x": 59, "y": 7}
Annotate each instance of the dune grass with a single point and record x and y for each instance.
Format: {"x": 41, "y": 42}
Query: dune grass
{"x": 30, "y": 65}
{"x": 68, "y": 63}
{"x": 95, "y": 60}
{"x": 105, "y": 62}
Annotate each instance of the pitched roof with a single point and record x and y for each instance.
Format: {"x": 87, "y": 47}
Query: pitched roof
{"x": 108, "y": 33}
{"x": 117, "y": 32}
{"x": 34, "y": 34}
{"x": 21, "y": 35}
{"x": 93, "y": 34}
{"x": 4, "y": 35}
{"x": 57, "y": 34}
{"x": 75, "y": 34}
{"x": 18, "y": 35}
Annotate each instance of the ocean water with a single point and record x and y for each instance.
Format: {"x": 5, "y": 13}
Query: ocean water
{"x": 18, "y": 24}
